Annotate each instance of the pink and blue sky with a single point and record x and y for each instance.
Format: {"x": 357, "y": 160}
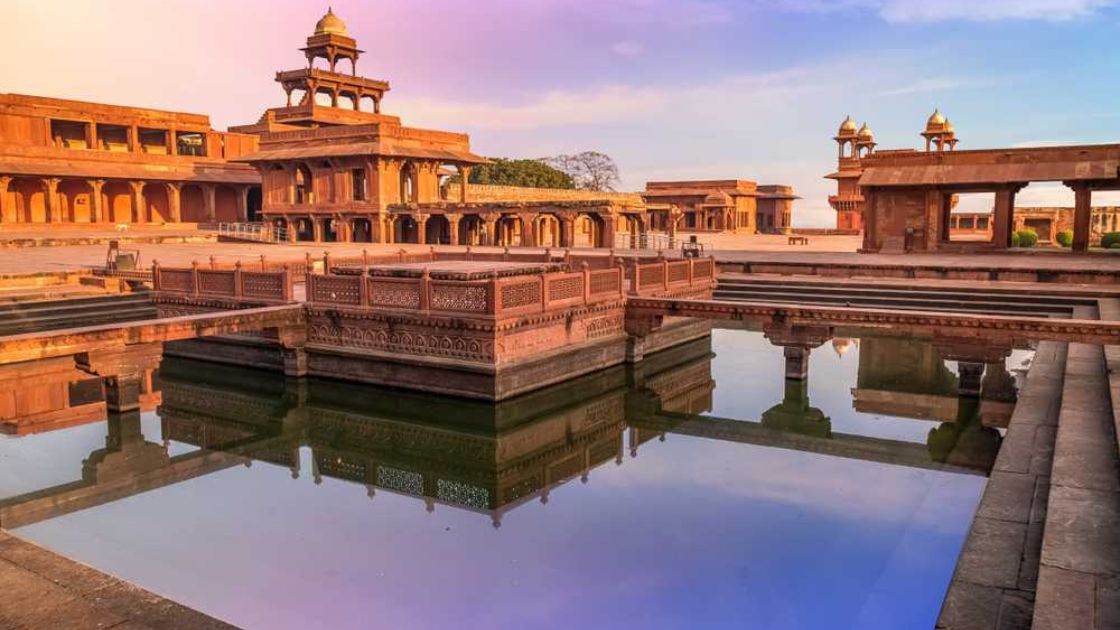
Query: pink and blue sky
{"x": 670, "y": 88}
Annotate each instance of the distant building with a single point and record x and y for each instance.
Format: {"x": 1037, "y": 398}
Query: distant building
{"x": 733, "y": 205}
{"x": 904, "y": 200}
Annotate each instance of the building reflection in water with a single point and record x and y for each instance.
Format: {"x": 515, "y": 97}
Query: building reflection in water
{"x": 492, "y": 457}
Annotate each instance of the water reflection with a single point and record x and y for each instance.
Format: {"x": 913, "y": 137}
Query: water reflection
{"x": 634, "y": 454}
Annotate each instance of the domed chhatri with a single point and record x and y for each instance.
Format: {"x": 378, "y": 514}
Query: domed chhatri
{"x": 936, "y": 119}
{"x": 848, "y": 127}
{"x": 331, "y": 24}
{"x": 865, "y": 132}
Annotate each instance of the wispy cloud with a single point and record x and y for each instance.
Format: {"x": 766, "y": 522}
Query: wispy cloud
{"x": 905, "y": 11}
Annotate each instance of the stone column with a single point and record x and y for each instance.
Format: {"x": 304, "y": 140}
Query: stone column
{"x": 209, "y": 195}
{"x": 568, "y": 236}
{"x": 421, "y": 229}
{"x": 54, "y": 207}
{"x": 91, "y": 135}
{"x": 528, "y": 229}
{"x": 243, "y": 204}
{"x": 172, "y": 141}
{"x": 489, "y": 227}
{"x": 97, "y": 212}
{"x": 137, "y": 189}
{"x": 316, "y": 230}
{"x": 293, "y": 344}
{"x": 174, "y": 201}
{"x": 797, "y": 362}
{"x": 1003, "y": 217}
{"x": 5, "y": 180}
{"x": 970, "y": 377}
{"x": 453, "y": 224}
{"x": 134, "y": 139}
{"x": 464, "y": 175}
{"x": 1082, "y": 216}
{"x": 124, "y": 371}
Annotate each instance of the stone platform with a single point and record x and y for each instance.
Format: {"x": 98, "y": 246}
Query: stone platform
{"x": 1041, "y": 266}
{"x": 45, "y": 590}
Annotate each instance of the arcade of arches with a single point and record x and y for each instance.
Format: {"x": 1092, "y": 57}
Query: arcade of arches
{"x": 476, "y": 228}
{"x": 52, "y": 200}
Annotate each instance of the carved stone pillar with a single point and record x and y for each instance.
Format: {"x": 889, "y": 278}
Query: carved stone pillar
{"x": 137, "y": 193}
{"x": 209, "y": 195}
{"x": 1003, "y": 217}
{"x": 243, "y": 204}
{"x": 1082, "y": 217}
{"x": 421, "y": 229}
{"x": 54, "y": 207}
{"x": 293, "y": 343}
{"x": 453, "y": 228}
{"x": 5, "y": 180}
{"x": 489, "y": 231}
{"x": 174, "y": 201}
{"x": 797, "y": 343}
{"x": 568, "y": 234}
{"x": 528, "y": 229}
{"x": 96, "y": 208}
{"x": 464, "y": 175}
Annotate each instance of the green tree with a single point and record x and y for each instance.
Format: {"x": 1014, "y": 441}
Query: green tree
{"x": 526, "y": 173}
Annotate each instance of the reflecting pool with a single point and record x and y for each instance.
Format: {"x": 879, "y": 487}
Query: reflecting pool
{"x": 699, "y": 489}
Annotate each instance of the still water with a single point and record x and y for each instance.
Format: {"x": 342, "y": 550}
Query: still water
{"x": 701, "y": 491}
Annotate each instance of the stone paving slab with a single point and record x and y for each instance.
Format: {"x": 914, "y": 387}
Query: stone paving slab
{"x": 1080, "y": 559}
{"x": 40, "y": 589}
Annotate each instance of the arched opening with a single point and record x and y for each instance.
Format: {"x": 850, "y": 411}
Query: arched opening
{"x": 157, "y": 207}
{"x": 367, "y": 104}
{"x": 29, "y": 199}
{"x": 363, "y": 231}
{"x": 438, "y": 230}
{"x": 192, "y": 204}
{"x": 408, "y": 183}
{"x": 297, "y": 97}
{"x": 254, "y": 203}
{"x": 76, "y": 198}
{"x": 548, "y": 231}
{"x": 305, "y": 190}
{"x": 320, "y": 63}
{"x": 330, "y": 230}
{"x": 324, "y": 97}
{"x": 406, "y": 230}
{"x": 588, "y": 231}
{"x": 347, "y": 100}
{"x": 116, "y": 202}
{"x": 225, "y": 205}
{"x": 449, "y": 175}
{"x": 470, "y": 230}
{"x": 508, "y": 231}
{"x": 305, "y": 230}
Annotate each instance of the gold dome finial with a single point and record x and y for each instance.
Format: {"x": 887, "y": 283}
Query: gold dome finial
{"x": 865, "y": 132}
{"x": 331, "y": 24}
{"x": 936, "y": 119}
{"x": 848, "y": 126}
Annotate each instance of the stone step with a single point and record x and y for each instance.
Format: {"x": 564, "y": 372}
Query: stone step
{"x": 917, "y": 302}
{"x": 1079, "y": 572}
{"x": 959, "y": 293}
{"x": 38, "y": 324}
{"x": 74, "y": 305}
{"x": 994, "y": 583}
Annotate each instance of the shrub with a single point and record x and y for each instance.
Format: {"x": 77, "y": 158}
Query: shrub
{"x": 1027, "y": 238}
{"x": 1108, "y": 239}
{"x": 1114, "y": 246}
{"x": 1014, "y": 239}
{"x": 1064, "y": 238}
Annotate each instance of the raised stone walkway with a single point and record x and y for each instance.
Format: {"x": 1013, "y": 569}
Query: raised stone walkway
{"x": 40, "y": 589}
{"x": 1079, "y": 576}
{"x": 994, "y": 583}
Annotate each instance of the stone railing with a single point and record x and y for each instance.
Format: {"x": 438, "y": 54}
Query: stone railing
{"x": 236, "y": 283}
{"x": 493, "y": 297}
{"x": 663, "y": 276}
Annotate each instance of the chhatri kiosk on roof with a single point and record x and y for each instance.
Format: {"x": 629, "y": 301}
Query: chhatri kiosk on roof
{"x": 902, "y": 200}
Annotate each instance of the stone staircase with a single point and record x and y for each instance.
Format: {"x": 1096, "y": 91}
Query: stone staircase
{"x": 1044, "y": 549}
{"x": 40, "y": 315}
{"x": 870, "y": 294}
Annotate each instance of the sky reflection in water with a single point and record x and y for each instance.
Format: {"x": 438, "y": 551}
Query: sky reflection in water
{"x": 690, "y": 533}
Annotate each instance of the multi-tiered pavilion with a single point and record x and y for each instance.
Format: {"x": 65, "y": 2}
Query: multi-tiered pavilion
{"x": 335, "y": 168}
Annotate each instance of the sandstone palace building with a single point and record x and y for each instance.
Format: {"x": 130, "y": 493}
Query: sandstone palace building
{"x": 327, "y": 165}
{"x": 903, "y": 200}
